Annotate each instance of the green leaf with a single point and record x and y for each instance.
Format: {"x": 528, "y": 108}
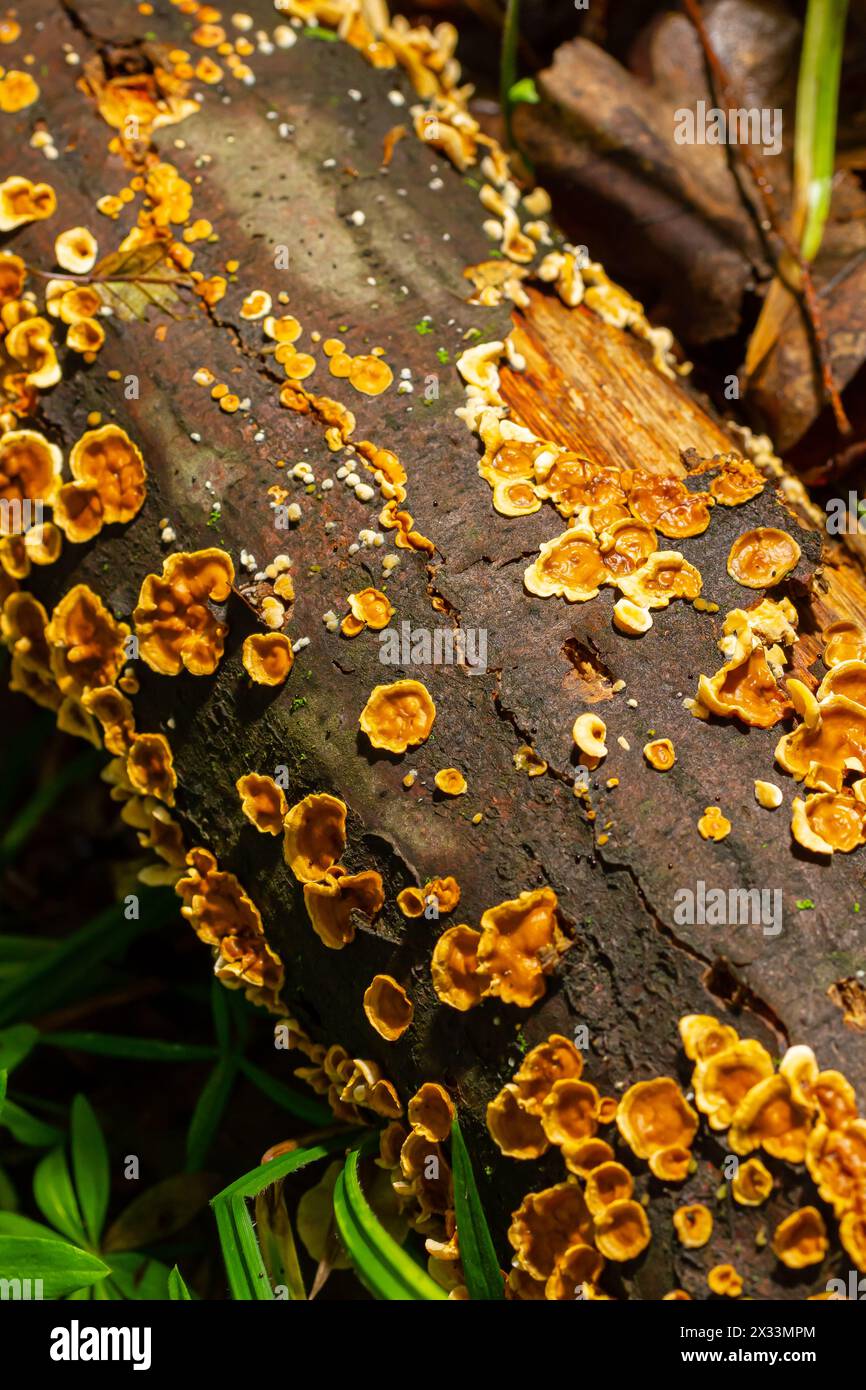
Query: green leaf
{"x": 304, "y": 1107}
{"x": 477, "y": 1253}
{"x": 12, "y": 1223}
{"x": 90, "y": 1166}
{"x": 276, "y": 1239}
{"x": 49, "y": 979}
{"x": 159, "y": 1212}
{"x": 134, "y": 281}
{"x": 15, "y": 1043}
{"x": 208, "y": 1112}
{"x": 524, "y": 91}
{"x": 62, "y": 1268}
{"x": 177, "y": 1289}
{"x": 55, "y": 1196}
{"x": 8, "y": 1195}
{"x": 315, "y": 31}
{"x": 134, "y": 1049}
{"x": 816, "y": 120}
{"x": 380, "y": 1263}
{"x": 245, "y": 1267}
{"x": 27, "y": 1129}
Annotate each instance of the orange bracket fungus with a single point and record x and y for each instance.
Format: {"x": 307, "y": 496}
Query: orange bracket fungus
{"x": 150, "y": 767}
{"x": 388, "y": 1007}
{"x": 606, "y": 1183}
{"x": 454, "y": 968}
{"x": 314, "y": 836}
{"x": 267, "y": 657}
{"x": 713, "y": 825}
{"x": 546, "y": 1225}
{"x": 450, "y": 781}
{"x": 431, "y": 1112}
{"x": 725, "y": 1281}
{"x": 660, "y": 754}
{"x": 22, "y": 201}
{"x": 521, "y": 942}
{"x": 665, "y": 576}
{"x": 76, "y": 250}
{"x": 30, "y": 468}
{"x": 516, "y": 1132}
{"x": 175, "y": 625}
{"x": 398, "y": 716}
{"x": 760, "y": 558}
{"x": 622, "y": 1231}
{"x": 262, "y": 802}
{"x": 589, "y": 732}
{"x": 372, "y": 608}
{"x": 655, "y": 1115}
{"x": 752, "y": 1183}
{"x": 557, "y": 1059}
{"x": 332, "y": 900}
{"x": 225, "y": 917}
{"x": 569, "y": 1112}
{"x": 693, "y": 1225}
{"x": 801, "y": 1239}
{"x": 87, "y": 644}
{"x": 109, "y": 483}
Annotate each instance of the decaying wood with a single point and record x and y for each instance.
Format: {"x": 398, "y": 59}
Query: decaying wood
{"x": 631, "y": 973}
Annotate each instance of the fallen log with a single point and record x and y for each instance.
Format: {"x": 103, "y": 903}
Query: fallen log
{"x": 302, "y": 192}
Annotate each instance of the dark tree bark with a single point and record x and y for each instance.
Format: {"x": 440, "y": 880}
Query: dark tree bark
{"x": 631, "y": 973}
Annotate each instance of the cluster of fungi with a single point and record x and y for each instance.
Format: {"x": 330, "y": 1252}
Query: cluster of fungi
{"x": 622, "y": 531}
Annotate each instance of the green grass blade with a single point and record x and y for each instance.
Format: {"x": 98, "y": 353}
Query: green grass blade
{"x": 477, "y": 1253}
{"x": 304, "y": 1107}
{"x": 85, "y": 765}
{"x": 177, "y": 1289}
{"x": 245, "y": 1267}
{"x": 817, "y": 110}
{"x": 209, "y": 1110}
{"x": 131, "y": 1049}
{"x": 55, "y": 1196}
{"x": 382, "y": 1265}
{"x": 16, "y": 949}
{"x": 90, "y": 1166}
{"x": 63, "y": 1269}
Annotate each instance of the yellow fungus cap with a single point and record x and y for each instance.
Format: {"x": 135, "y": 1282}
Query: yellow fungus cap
{"x": 516, "y": 1132}
{"x": 267, "y": 657}
{"x": 173, "y": 621}
{"x": 454, "y": 968}
{"x": 760, "y": 558}
{"x": 654, "y": 1115}
{"x": 388, "y": 1007}
{"x": 622, "y": 1230}
{"x": 450, "y": 781}
{"x": 398, "y": 716}
{"x": 314, "y": 836}
{"x": 262, "y": 802}
{"x": 693, "y": 1225}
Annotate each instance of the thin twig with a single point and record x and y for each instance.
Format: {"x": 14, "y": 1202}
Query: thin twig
{"x": 774, "y": 218}
{"x": 108, "y": 279}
